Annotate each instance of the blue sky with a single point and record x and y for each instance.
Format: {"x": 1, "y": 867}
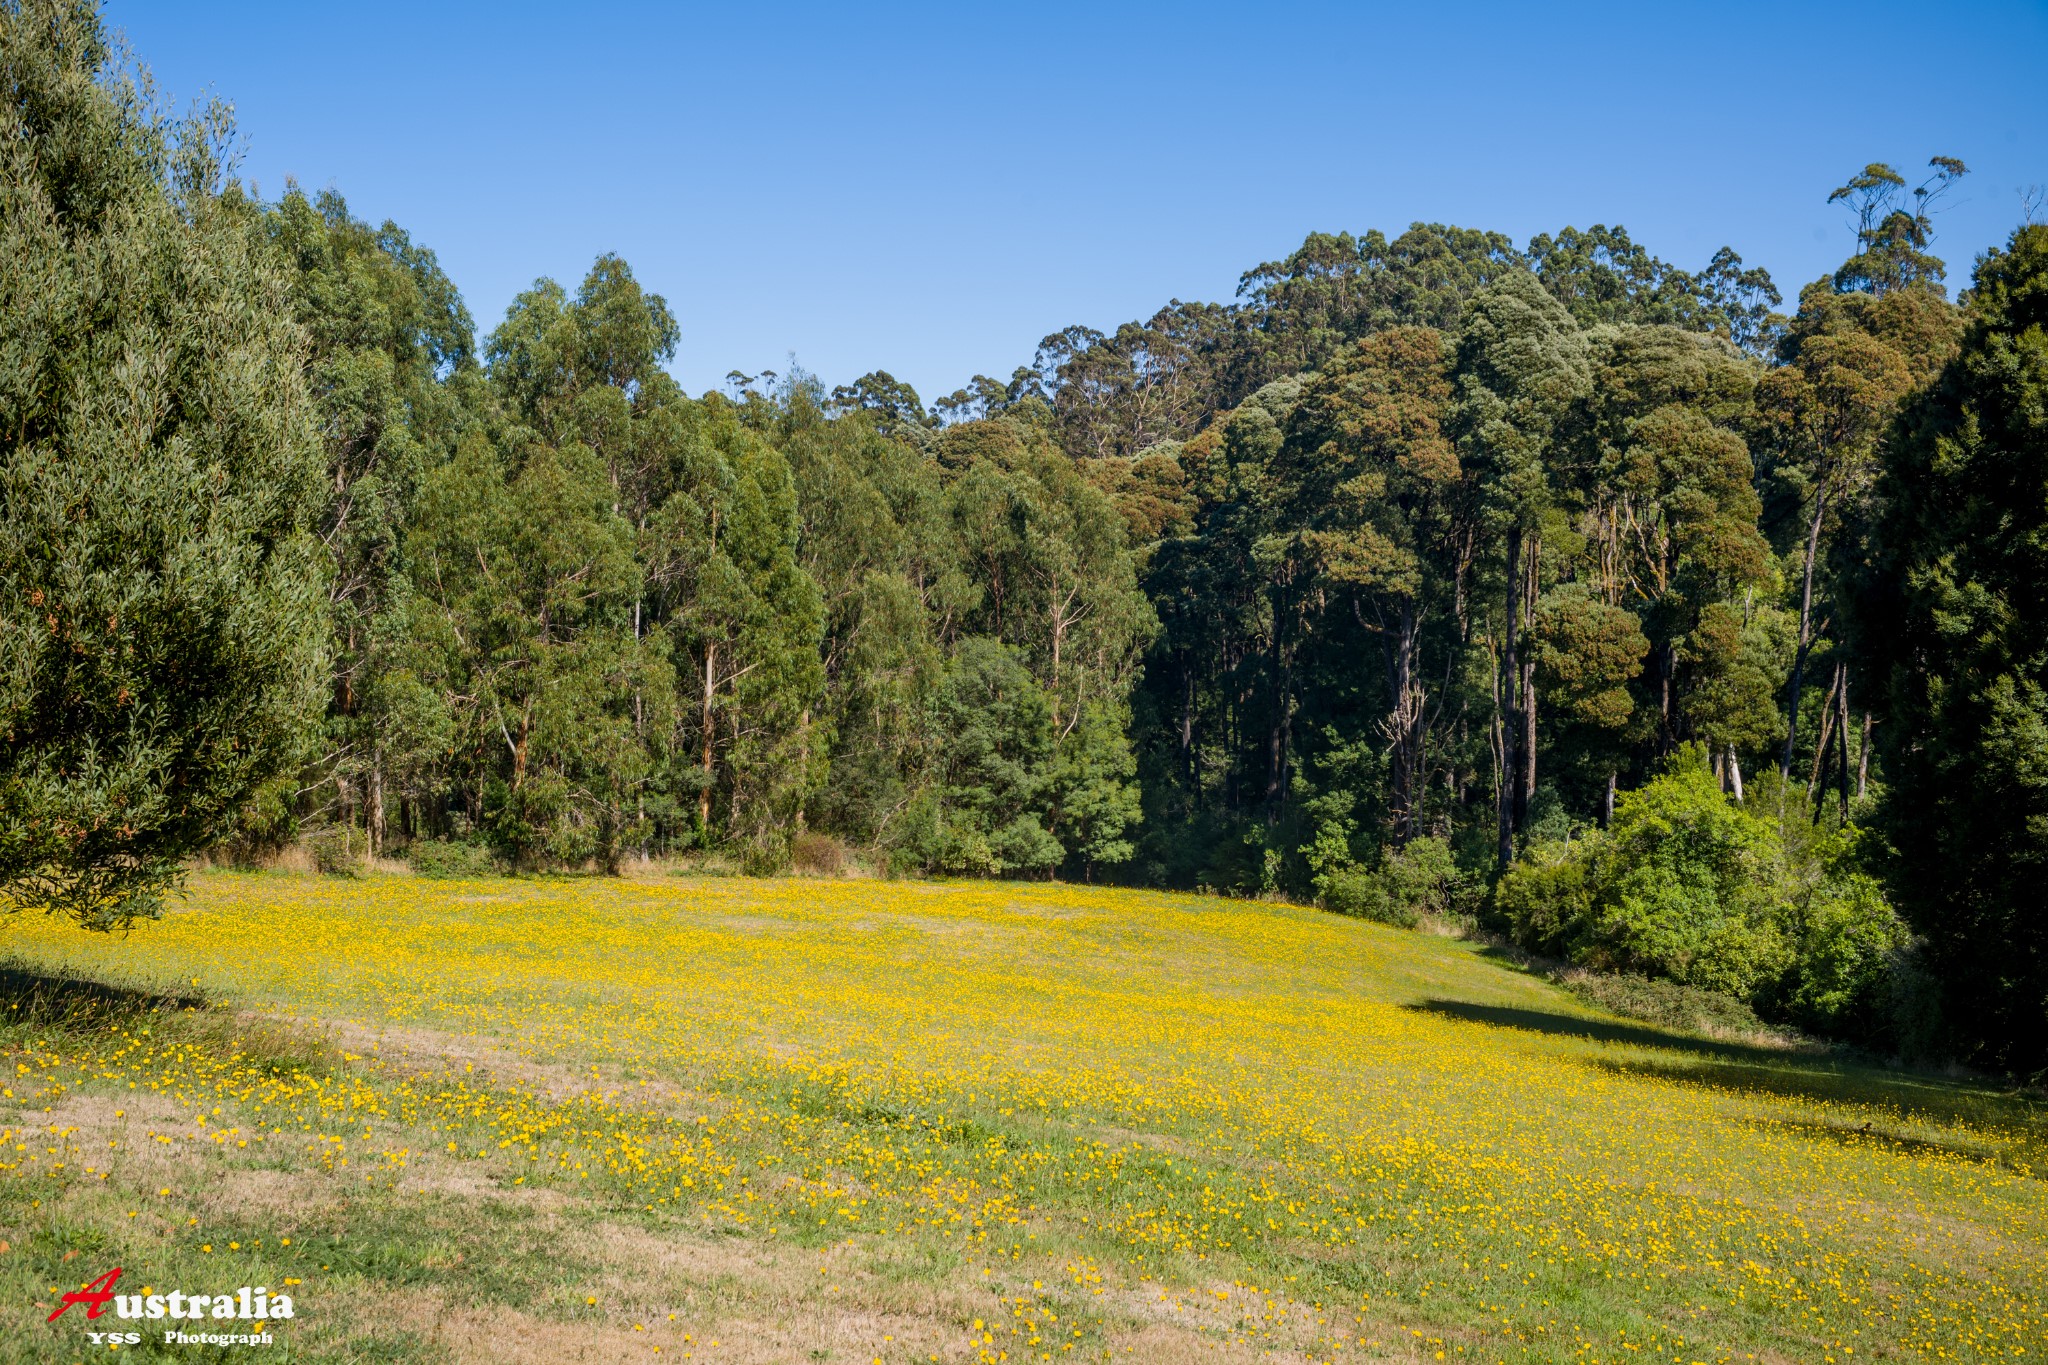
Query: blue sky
{"x": 929, "y": 190}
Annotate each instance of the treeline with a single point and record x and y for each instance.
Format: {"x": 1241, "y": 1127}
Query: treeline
{"x": 580, "y": 616}
{"x": 1554, "y": 583}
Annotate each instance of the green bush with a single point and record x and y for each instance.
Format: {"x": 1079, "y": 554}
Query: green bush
{"x": 1847, "y": 943}
{"x": 452, "y": 861}
{"x": 1664, "y": 1003}
{"x": 1424, "y": 877}
{"x": 1690, "y": 887}
{"x": 1359, "y": 891}
{"x": 1418, "y": 879}
{"x": 1547, "y": 895}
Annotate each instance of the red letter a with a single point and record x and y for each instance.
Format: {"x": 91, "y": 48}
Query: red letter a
{"x": 94, "y": 1296}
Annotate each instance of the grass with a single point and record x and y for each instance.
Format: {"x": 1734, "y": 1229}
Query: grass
{"x": 550, "y": 1120}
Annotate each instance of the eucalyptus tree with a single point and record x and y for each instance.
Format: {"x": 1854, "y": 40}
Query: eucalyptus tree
{"x": 1375, "y": 498}
{"x": 1847, "y": 361}
{"x": 1522, "y": 364}
{"x": 391, "y": 365}
{"x": 1663, "y": 487}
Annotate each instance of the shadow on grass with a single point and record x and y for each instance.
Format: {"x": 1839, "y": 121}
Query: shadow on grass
{"x": 1917, "y": 1095}
{"x": 32, "y": 995}
{"x": 2021, "y": 1141}
{"x": 1596, "y": 1030}
{"x": 1873, "y": 1136}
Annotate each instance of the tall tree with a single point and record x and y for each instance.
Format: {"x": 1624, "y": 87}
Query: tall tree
{"x": 1602, "y": 275}
{"x": 160, "y": 637}
{"x": 1376, "y": 497}
{"x": 1894, "y": 227}
{"x": 1949, "y": 617}
{"x": 1522, "y": 363}
{"x": 391, "y": 365}
{"x": 1848, "y": 359}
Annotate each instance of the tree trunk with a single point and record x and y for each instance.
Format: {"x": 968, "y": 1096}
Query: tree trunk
{"x": 704, "y": 795}
{"x": 1735, "y": 772}
{"x": 1820, "y": 506}
{"x": 1511, "y": 726}
{"x": 1496, "y": 734}
{"x": 1607, "y": 806}
{"x": 376, "y": 806}
{"x": 1403, "y": 724}
{"x": 1842, "y": 725}
{"x": 1827, "y": 731}
{"x": 1528, "y": 691}
{"x": 1187, "y": 726}
{"x": 1863, "y": 759}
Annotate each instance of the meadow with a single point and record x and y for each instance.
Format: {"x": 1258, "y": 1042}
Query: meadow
{"x": 805, "y": 1120}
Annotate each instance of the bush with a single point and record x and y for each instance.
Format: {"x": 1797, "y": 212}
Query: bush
{"x": 336, "y": 850}
{"x": 1691, "y": 888}
{"x": 453, "y": 861}
{"x": 1664, "y": 1003}
{"x": 1421, "y": 878}
{"x": 1360, "y": 891}
{"x": 819, "y": 854}
{"x": 1846, "y": 946}
{"x": 1546, "y": 896}
{"x": 1424, "y": 877}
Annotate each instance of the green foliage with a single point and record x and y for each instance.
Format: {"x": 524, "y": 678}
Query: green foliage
{"x": 1950, "y": 616}
{"x": 1587, "y": 652}
{"x": 1665, "y": 1003}
{"x": 1891, "y": 240}
{"x": 449, "y": 860}
{"x": 390, "y": 365}
{"x": 1679, "y": 887}
{"x": 985, "y": 814}
{"x": 1417, "y": 879}
{"x": 160, "y": 635}
{"x": 1359, "y": 891}
{"x": 1691, "y": 887}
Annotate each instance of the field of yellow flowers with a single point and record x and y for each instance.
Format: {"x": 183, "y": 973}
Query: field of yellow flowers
{"x": 735, "y": 1120}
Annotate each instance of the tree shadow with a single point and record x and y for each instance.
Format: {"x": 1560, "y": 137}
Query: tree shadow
{"x": 1873, "y": 1136}
{"x": 1916, "y": 1095}
{"x": 1837, "y": 1078}
{"x": 32, "y": 995}
{"x": 1597, "y": 1030}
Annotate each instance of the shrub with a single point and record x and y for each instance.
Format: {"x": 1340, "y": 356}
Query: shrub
{"x": 1691, "y": 888}
{"x": 335, "y": 849}
{"x": 1355, "y": 890}
{"x": 1546, "y": 896}
{"x": 1419, "y": 879}
{"x": 1665, "y": 1003}
{"x": 449, "y": 860}
{"x": 819, "y": 854}
{"x": 1423, "y": 876}
{"x": 1847, "y": 943}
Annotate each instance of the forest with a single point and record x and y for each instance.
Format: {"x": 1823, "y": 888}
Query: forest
{"x": 1637, "y": 613}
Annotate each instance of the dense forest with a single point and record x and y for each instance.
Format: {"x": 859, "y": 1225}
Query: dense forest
{"x": 1652, "y": 620}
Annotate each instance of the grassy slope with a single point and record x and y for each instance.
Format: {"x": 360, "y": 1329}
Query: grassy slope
{"x": 855, "y": 1121}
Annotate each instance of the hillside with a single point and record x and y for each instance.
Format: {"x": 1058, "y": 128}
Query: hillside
{"x": 861, "y": 1120}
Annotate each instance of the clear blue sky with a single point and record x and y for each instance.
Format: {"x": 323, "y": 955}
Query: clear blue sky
{"x": 929, "y": 190}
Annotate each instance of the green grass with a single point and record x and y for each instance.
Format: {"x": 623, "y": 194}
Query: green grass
{"x": 817, "y": 1120}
